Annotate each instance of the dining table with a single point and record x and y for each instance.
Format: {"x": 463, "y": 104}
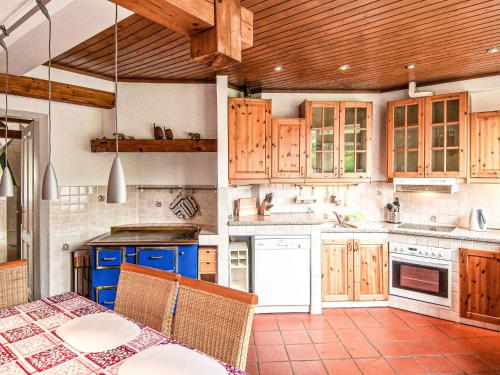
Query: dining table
{"x": 29, "y": 343}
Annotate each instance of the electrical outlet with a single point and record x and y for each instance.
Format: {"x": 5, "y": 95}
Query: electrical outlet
{"x": 158, "y": 204}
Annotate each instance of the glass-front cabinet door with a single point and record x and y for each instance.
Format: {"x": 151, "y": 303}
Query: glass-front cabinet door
{"x": 355, "y": 139}
{"x": 322, "y": 140}
{"x": 405, "y": 137}
{"x": 446, "y": 121}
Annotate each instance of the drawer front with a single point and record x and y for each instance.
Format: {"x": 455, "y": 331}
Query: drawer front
{"x": 208, "y": 267}
{"x": 207, "y": 255}
{"x": 108, "y": 258}
{"x": 131, "y": 255}
{"x": 160, "y": 258}
{"x": 106, "y": 296}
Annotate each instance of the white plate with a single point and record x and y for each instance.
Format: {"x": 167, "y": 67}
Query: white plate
{"x": 170, "y": 359}
{"x": 97, "y": 332}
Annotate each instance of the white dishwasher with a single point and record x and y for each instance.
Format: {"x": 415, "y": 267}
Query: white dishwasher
{"x": 282, "y": 273}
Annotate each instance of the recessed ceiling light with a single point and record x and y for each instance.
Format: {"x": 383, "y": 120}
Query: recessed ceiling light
{"x": 279, "y": 68}
{"x": 493, "y": 49}
{"x": 411, "y": 66}
{"x": 344, "y": 67}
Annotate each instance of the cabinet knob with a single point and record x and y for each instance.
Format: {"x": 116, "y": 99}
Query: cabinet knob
{"x": 181, "y": 253}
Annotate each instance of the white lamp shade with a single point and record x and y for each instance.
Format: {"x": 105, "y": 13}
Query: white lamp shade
{"x": 50, "y": 188}
{"x": 6, "y": 184}
{"x": 117, "y": 189}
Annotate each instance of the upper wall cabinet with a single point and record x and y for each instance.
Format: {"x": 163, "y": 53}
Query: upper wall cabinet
{"x": 405, "y": 138}
{"x": 485, "y": 146}
{"x": 355, "y": 139}
{"x": 249, "y": 140}
{"x": 338, "y": 136}
{"x": 427, "y": 137}
{"x": 288, "y": 155}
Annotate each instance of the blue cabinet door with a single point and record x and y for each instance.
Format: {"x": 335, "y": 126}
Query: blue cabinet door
{"x": 188, "y": 261}
{"x": 162, "y": 258}
{"x": 106, "y": 296}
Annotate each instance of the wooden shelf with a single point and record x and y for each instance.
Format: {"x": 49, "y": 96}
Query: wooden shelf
{"x": 154, "y": 145}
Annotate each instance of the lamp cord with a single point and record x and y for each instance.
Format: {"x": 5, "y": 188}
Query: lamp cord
{"x": 6, "y": 102}
{"x": 116, "y": 78}
{"x": 50, "y": 90}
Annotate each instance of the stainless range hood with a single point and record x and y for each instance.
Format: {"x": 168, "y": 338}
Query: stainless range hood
{"x": 436, "y": 185}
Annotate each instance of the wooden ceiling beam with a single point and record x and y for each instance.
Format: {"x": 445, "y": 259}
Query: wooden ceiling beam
{"x": 61, "y": 92}
{"x": 187, "y": 17}
{"x": 219, "y": 30}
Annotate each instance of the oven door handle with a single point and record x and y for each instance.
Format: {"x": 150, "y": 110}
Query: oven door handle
{"x": 418, "y": 260}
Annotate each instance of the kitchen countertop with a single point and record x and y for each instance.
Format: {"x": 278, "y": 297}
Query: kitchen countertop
{"x": 492, "y": 236}
{"x": 147, "y": 234}
{"x": 277, "y": 219}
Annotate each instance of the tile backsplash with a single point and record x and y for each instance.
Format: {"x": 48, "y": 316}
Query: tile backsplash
{"x": 450, "y": 209}
{"x": 82, "y": 214}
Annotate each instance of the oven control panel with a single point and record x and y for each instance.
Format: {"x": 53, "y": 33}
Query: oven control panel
{"x": 420, "y": 251}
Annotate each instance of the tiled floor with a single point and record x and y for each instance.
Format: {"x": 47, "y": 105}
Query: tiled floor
{"x": 369, "y": 341}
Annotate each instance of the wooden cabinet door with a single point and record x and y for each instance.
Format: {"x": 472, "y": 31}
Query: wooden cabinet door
{"x": 485, "y": 144}
{"x": 322, "y": 137}
{"x": 445, "y": 135}
{"x": 405, "y": 138}
{"x": 249, "y": 140}
{"x": 337, "y": 272}
{"x": 355, "y": 139}
{"x": 288, "y": 150}
{"x": 480, "y": 285}
{"x": 371, "y": 270}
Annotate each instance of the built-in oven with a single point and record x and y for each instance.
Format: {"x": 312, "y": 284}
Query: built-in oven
{"x": 419, "y": 272}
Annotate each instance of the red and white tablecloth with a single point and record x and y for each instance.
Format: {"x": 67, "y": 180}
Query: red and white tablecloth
{"x": 29, "y": 344}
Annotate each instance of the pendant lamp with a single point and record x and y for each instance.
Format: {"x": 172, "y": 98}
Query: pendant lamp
{"x": 6, "y": 183}
{"x": 50, "y": 188}
{"x": 117, "y": 188}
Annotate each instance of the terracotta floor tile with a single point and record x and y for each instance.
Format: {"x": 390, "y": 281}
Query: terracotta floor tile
{"x": 468, "y": 363}
{"x": 493, "y": 341}
{"x": 401, "y": 333}
{"x": 302, "y": 352}
{"x": 265, "y": 325}
{"x": 405, "y": 365}
{"x": 290, "y": 324}
{"x": 340, "y": 322}
{"x": 271, "y": 353}
{"x": 419, "y": 347}
{"x": 414, "y": 319}
{"x": 361, "y": 349}
{"x": 252, "y": 339}
{"x": 268, "y": 338}
{"x": 357, "y": 312}
{"x": 296, "y": 337}
{"x": 252, "y": 355}
{"x": 275, "y": 368}
{"x": 374, "y": 366}
{"x": 366, "y": 321}
{"x": 291, "y": 316}
{"x": 349, "y": 334}
{"x": 316, "y": 322}
{"x": 378, "y": 334}
{"x": 391, "y": 348}
{"x": 462, "y": 331}
{"x": 334, "y": 312}
{"x": 430, "y": 332}
{"x": 252, "y": 368}
{"x": 308, "y": 368}
{"x": 448, "y": 346}
{"x": 321, "y": 336}
{"x": 491, "y": 359}
{"x": 438, "y": 364}
{"x": 476, "y": 345}
{"x": 332, "y": 350}
{"x": 389, "y": 321}
{"x": 341, "y": 367}
{"x": 260, "y": 317}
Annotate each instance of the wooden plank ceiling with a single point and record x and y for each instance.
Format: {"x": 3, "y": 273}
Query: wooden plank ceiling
{"x": 446, "y": 39}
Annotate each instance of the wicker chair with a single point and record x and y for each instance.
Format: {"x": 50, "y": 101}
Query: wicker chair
{"x": 13, "y": 283}
{"x": 147, "y": 295}
{"x": 215, "y": 320}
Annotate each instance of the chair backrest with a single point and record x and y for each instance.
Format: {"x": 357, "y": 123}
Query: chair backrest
{"x": 215, "y": 320}
{"x": 147, "y": 295}
{"x": 13, "y": 283}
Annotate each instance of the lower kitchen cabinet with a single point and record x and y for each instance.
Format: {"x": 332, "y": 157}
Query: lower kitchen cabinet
{"x": 480, "y": 285}
{"x": 207, "y": 263}
{"x": 106, "y": 262}
{"x": 355, "y": 270}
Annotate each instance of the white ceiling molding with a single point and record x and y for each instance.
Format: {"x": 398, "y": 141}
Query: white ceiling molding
{"x": 74, "y": 21}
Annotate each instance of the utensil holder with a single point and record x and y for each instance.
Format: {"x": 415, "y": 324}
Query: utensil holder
{"x": 393, "y": 217}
